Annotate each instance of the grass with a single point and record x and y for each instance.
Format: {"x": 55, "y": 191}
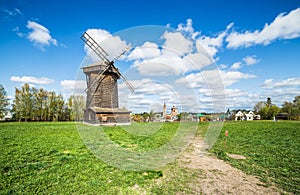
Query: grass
{"x": 51, "y": 158}
{"x": 272, "y": 150}
{"x": 56, "y": 158}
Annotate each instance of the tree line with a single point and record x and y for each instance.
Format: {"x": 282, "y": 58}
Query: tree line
{"x": 31, "y": 104}
{"x": 268, "y": 110}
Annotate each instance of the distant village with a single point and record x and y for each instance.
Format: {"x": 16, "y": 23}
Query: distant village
{"x": 173, "y": 115}
{"x": 230, "y": 115}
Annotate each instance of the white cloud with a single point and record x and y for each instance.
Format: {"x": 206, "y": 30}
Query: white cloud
{"x": 212, "y": 78}
{"x": 112, "y": 45}
{"x": 156, "y": 68}
{"x": 149, "y": 95}
{"x": 222, "y": 66}
{"x": 179, "y": 54}
{"x": 236, "y": 65}
{"x": 211, "y": 44}
{"x": 170, "y": 63}
{"x": 231, "y": 77}
{"x": 13, "y": 12}
{"x": 188, "y": 27}
{"x": 290, "y": 82}
{"x": 39, "y": 35}
{"x": 235, "y": 93}
{"x": 147, "y": 50}
{"x": 32, "y": 80}
{"x": 285, "y": 26}
{"x": 281, "y": 91}
{"x": 250, "y": 60}
{"x": 73, "y": 86}
{"x": 176, "y": 42}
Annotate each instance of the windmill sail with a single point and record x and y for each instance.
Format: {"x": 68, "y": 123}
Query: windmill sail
{"x": 104, "y": 57}
{"x": 95, "y": 47}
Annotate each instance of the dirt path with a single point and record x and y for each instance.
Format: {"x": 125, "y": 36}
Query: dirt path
{"x": 220, "y": 177}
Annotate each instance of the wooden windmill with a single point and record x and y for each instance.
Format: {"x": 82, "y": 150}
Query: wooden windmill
{"x": 102, "y": 102}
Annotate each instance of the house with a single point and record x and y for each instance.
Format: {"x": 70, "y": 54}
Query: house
{"x": 239, "y": 116}
{"x": 201, "y": 117}
{"x": 250, "y": 116}
{"x": 282, "y": 116}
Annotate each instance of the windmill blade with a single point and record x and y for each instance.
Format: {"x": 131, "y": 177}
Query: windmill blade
{"x": 87, "y": 39}
{"x": 123, "y": 52}
{"x": 128, "y": 84}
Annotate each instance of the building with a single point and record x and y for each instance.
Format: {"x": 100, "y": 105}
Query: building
{"x": 102, "y": 103}
{"x": 172, "y": 116}
{"x": 250, "y": 116}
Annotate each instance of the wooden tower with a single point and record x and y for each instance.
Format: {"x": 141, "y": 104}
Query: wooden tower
{"x": 102, "y": 102}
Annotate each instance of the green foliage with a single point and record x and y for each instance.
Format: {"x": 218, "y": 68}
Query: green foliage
{"x": 76, "y": 104}
{"x": 271, "y": 149}
{"x": 3, "y": 101}
{"x": 267, "y": 110}
{"x": 292, "y": 108}
{"x": 31, "y": 104}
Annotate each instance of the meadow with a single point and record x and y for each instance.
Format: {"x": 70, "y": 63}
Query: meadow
{"x": 271, "y": 150}
{"x": 51, "y": 157}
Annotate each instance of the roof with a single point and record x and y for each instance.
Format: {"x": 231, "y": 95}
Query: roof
{"x": 239, "y": 113}
{"x": 200, "y": 115}
{"x": 99, "y": 110}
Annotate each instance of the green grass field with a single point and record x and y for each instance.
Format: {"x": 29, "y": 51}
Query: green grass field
{"x": 51, "y": 158}
{"x": 272, "y": 150}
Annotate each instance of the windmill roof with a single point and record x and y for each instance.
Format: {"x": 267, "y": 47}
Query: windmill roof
{"x": 99, "y": 110}
{"x": 98, "y": 63}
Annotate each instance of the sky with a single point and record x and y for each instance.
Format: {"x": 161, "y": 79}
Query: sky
{"x": 195, "y": 55}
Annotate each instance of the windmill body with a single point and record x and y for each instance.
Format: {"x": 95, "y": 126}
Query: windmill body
{"x": 104, "y": 93}
{"x": 102, "y": 102}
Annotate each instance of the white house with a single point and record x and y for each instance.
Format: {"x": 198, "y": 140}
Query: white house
{"x": 239, "y": 116}
{"x": 250, "y": 116}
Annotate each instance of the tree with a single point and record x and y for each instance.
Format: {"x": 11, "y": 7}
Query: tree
{"x": 273, "y": 111}
{"x": 269, "y": 102}
{"x": 151, "y": 115}
{"x": 297, "y": 103}
{"x": 34, "y": 104}
{"x": 267, "y": 110}
{"x": 3, "y": 101}
{"x": 264, "y": 112}
{"x": 258, "y": 106}
{"x": 41, "y": 100}
{"x": 183, "y": 116}
{"x": 288, "y": 107}
{"x": 27, "y": 102}
{"x": 76, "y": 104}
{"x": 16, "y": 107}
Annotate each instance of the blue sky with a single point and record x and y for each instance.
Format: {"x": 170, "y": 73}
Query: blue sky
{"x": 255, "y": 45}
